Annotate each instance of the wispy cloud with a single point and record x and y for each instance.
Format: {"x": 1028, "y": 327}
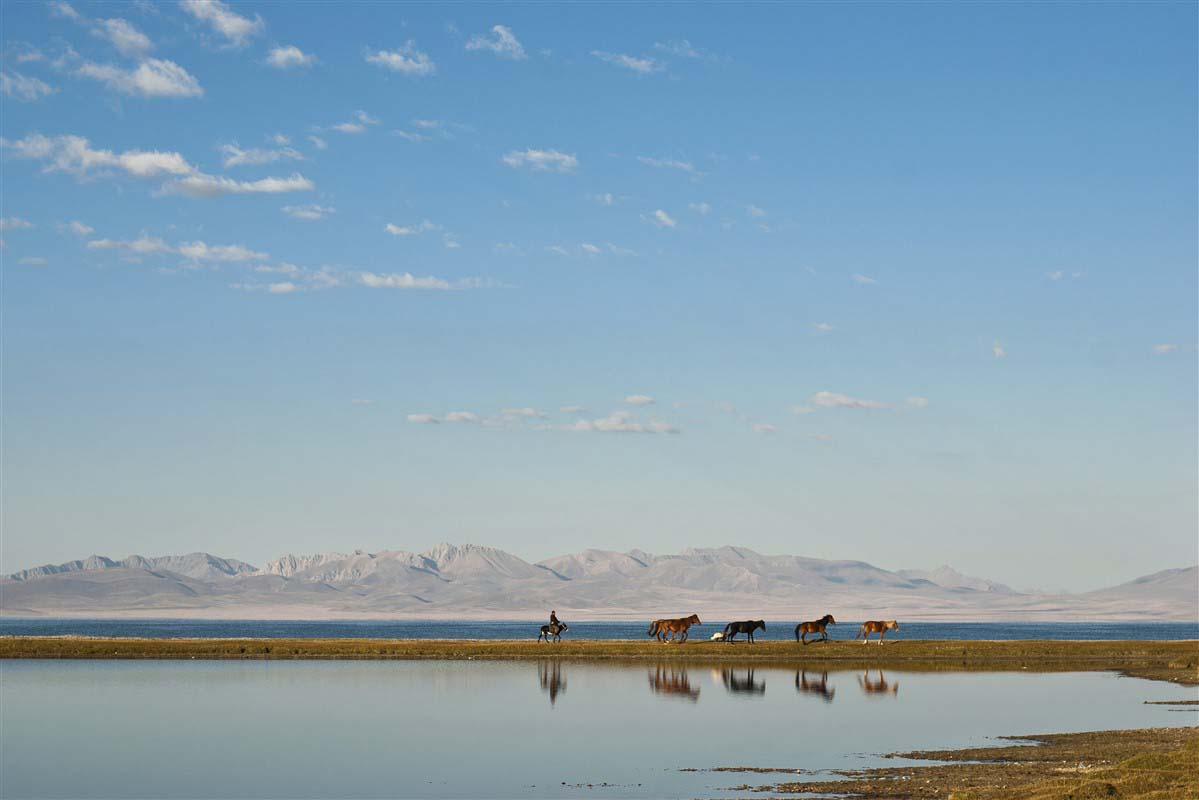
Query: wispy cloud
{"x": 357, "y": 124}
{"x": 998, "y": 351}
{"x": 21, "y": 87}
{"x": 834, "y": 400}
{"x": 639, "y": 400}
{"x": 233, "y": 155}
{"x": 289, "y": 57}
{"x": 406, "y": 280}
{"x": 207, "y": 186}
{"x": 76, "y": 156}
{"x": 621, "y": 422}
{"x": 863, "y": 280}
{"x": 661, "y": 219}
{"x": 309, "y": 213}
{"x": 410, "y": 230}
{"x": 703, "y": 209}
{"x": 1164, "y": 349}
{"x": 823, "y": 327}
{"x": 153, "y": 77}
{"x": 123, "y": 35}
{"x": 670, "y": 163}
{"x": 502, "y": 42}
{"x": 543, "y": 160}
{"x": 917, "y": 402}
{"x": 406, "y": 61}
{"x": 235, "y": 29}
{"x": 14, "y": 224}
{"x": 76, "y": 227}
{"x": 642, "y": 65}
{"x": 682, "y": 48}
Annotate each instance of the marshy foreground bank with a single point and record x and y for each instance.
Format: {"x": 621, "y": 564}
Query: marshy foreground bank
{"x": 1176, "y": 661}
{"x": 1158, "y": 763}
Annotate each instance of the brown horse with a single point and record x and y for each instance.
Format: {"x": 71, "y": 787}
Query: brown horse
{"x": 672, "y": 627}
{"x": 877, "y": 626}
{"x": 803, "y": 629}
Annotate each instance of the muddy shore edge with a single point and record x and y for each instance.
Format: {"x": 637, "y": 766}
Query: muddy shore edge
{"x": 1176, "y": 661}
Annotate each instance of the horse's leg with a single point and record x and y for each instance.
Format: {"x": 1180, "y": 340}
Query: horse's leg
{"x": 805, "y": 637}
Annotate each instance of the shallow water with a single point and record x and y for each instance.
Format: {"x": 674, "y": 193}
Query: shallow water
{"x": 519, "y": 729}
{"x": 471, "y": 629}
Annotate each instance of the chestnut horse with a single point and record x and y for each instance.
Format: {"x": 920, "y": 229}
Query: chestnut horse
{"x": 877, "y": 626}
{"x": 814, "y": 627}
{"x": 672, "y": 627}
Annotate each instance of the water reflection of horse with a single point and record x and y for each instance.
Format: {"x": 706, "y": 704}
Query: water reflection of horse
{"x": 739, "y": 685}
{"x": 672, "y": 627}
{"x": 820, "y": 687}
{"x": 881, "y": 686}
{"x": 552, "y": 681}
{"x": 672, "y": 680}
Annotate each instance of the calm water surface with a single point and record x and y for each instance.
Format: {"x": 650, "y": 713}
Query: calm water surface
{"x": 468, "y": 629}
{"x": 533, "y": 729}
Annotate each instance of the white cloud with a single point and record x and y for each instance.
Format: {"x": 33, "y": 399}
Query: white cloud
{"x": 661, "y": 219}
{"x": 75, "y": 155}
{"x": 755, "y": 212}
{"x": 14, "y": 224}
{"x": 357, "y": 124}
{"x": 450, "y": 242}
{"x": 590, "y": 249}
{"x": 502, "y": 43}
{"x": 410, "y": 136}
{"x": 235, "y": 28}
{"x": 318, "y": 142}
{"x": 823, "y": 327}
{"x": 123, "y": 35}
{"x": 834, "y": 400}
{"x": 669, "y": 163}
{"x": 423, "y": 419}
{"x": 863, "y": 280}
{"x": 541, "y": 160}
{"x": 1164, "y": 349}
{"x": 201, "y": 251}
{"x": 918, "y": 402}
{"x": 703, "y": 209}
{"x": 621, "y": 422}
{"x": 410, "y": 230}
{"x": 764, "y": 427}
{"x": 1056, "y": 275}
{"x": 403, "y": 280}
{"x": 24, "y": 88}
{"x": 282, "y": 287}
{"x": 281, "y": 140}
{"x": 525, "y": 413}
{"x": 572, "y": 409}
{"x": 998, "y": 351}
{"x": 463, "y": 416}
{"x": 558, "y": 249}
{"x": 201, "y": 185}
{"x": 289, "y": 57}
{"x": 639, "y": 400}
{"x": 63, "y": 10}
{"x": 76, "y": 227}
{"x": 154, "y": 77}
{"x": 234, "y": 155}
{"x": 800, "y": 411}
{"x": 639, "y": 64}
{"x": 620, "y": 251}
{"x": 310, "y": 213}
{"x": 407, "y": 60}
{"x": 143, "y": 245}
{"x": 684, "y": 49}
{"x": 605, "y": 199}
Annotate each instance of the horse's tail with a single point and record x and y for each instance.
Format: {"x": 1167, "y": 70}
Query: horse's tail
{"x": 653, "y": 628}
{"x": 727, "y": 628}
{"x": 858, "y": 635}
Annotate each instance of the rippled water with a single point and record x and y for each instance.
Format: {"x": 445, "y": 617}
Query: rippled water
{"x": 468, "y": 629}
{"x": 522, "y": 729}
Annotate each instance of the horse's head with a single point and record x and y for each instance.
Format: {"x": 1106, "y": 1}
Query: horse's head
{"x": 893, "y": 625}
{"x": 828, "y": 619}
{"x": 760, "y": 624}
{"x": 562, "y": 626}
{"x": 695, "y": 618}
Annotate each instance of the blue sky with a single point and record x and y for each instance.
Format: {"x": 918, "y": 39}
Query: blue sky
{"x": 911, "y": 284}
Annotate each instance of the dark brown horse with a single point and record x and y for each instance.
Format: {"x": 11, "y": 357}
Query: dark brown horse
{"x": 877, "y": 626}
{"x": 747, "y": 627}
{"x": 676, "y": 628}
{"x": 804, "y": 629}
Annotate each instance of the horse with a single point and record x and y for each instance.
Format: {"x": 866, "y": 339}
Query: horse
{"x": 748, "y": 627}
{"x": 672, "y": 627}
{"x": 814, "y": 627}
{"x": 876, "y": 626}
{"x": 820, "y": 687}
{"x": 552, "y": 632}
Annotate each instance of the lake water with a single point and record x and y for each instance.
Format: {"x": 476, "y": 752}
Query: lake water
{"x": 440, "y": 729}
{"x": 466, "y": 629}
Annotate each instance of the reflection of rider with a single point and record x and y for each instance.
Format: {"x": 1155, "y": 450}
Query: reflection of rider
{"x": 554, "y": 618}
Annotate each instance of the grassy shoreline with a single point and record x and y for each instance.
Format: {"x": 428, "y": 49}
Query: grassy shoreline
{"x": 1176, "y": 661}
{"x": 1157, "y": 763}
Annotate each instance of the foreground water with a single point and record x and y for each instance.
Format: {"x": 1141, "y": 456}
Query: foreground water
{"x": 309, "y": 729}
{"x": 466, "y": 629}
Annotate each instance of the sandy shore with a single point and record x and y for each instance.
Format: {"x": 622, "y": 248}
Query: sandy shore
{"x": 1176, "y": 661}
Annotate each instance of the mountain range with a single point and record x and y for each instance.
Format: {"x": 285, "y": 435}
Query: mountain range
{"x": 477, "y": 582}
